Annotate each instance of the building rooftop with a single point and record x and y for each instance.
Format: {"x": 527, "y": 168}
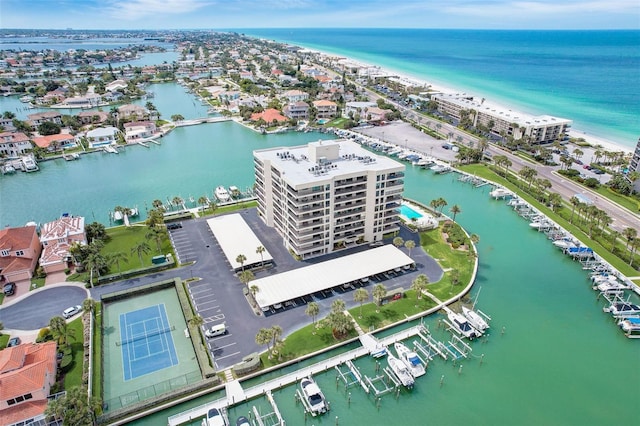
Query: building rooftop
{"x": 236, "y": 237}
{"x": 323, "y": 161}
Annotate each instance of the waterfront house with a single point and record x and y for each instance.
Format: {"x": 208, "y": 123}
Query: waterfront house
{"x": 138, "y": 130}
{"x": 377, "y": 114}
{"x": 7, "y": 124}
{"x": 269, "y": 115}
{"x": 43, "y": 117}
{"x": 89, "y": 100}
{"x": 297, "y": 110}
{"x": 57, "y": 237}
{"x": 132, "y": 112}
{"x": 116, "y": 85}
{"x": 325, "y": 109}
{"x": 102, "y": 136}
{"x": 14, "y": 144}
{"x": 92, "y": 117}
{"x": 360, "y": 109}
{"x": 27, "y": 372}
{"x": 53, "y": 143}
{"x": 19, "y": 252}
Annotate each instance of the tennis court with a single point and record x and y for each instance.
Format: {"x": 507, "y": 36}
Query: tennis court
{"x": 147, "y": 345}
{"x": 146, "y": 352}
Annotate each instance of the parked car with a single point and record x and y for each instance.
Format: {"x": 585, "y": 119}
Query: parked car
{"x": 69, "y": 312}
{"x": 586, "y": 166}
{"x": 176, "y": 225}
{"x": 597, "y": 171}
{"x": 9, "y": 289}
{"x": 216, "y": 330}
{"x": 578, "y": 161}
{"x": 14, "y": 341}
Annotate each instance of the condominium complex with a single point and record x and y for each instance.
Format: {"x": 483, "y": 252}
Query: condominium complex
{"x": 541, "y": 129}
{"x": 327, "y": 195}
{"x": 634, "y": 166}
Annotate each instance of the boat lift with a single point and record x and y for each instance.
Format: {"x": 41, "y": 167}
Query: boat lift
{"x": 433, "y": 348}
{"x": 352, "y": 373}
{"x": 455, "y": 350}
{"x": 268, "y": 419}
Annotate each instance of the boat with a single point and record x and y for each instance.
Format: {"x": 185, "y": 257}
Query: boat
{"x": 71, "y": 157}
{"x": 222, "y": 194}
{"x": 410, "y": 359}
{"x": 30, "y": 164}
{"x": 111, "y": 149}
{"x": 622, "y": 309}
{"x": 215, "y": 417}
{"x": 463, "y": 326}
{"x": 500, "y": 193}
{"x": 117, "y": 215}
{"x": 7, "y": 169}
{"x": 564, "y": 243}
{"x": 401, "y": 371}
{"x": 314, "y": 399}
{"x": 476, "y": 320}
{"x": 234, "y": 191}
{"x": 610, "y": 287}
{"x": 440, "y": 169}
{"x": 631, "y": 326}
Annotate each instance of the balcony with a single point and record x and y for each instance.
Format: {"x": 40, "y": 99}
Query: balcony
{"x": 350, "y": 181}
{"x": 348, "y": 189}
{"x": 350, "y": 197}
{"x": 348, "y": 212}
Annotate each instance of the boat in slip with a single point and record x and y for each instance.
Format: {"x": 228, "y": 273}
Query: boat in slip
{"x": 500, "y": 193}
{"x": 630, "y": 326}
{"x": 463, "y": 326}
{"x": 215, "y": 417}
{"x": 476, "y": 320}
{"x": 401, "y": 371}
{"x": 410, "y": 359}
{"x": 312, "y": 397}
{"x": 622, "y": 309}
{"x": 222, "y": 194}
{"x": 610, "y": 287}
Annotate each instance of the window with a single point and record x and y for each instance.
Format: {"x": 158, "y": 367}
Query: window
{"x": 4, "y": 253}
{"x": 20, "y": 253}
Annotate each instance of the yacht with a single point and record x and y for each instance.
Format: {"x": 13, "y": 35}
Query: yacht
{"x": 215, "y": 417}
{"x": 564, "y": 243}
{"x": 622, "y": 309}
{"x": 401, "y": 371}
{"x": 410, "y": 359}
{"x": 111, "y": 149}
{"x": 234, "y": 191}
{"x": 222, "y": 194}
{"x": 500, "y": 193}
{"x": 631, "y": 326}
{"x": 314, "y": 399}
{"x": 30, "y": 164}
{"x": 610, "y": 287}
{"x": 463, "y": 326}
{"x": 476, "y": 320}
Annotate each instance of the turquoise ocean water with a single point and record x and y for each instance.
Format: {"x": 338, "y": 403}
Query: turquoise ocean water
{"x": 590, "y": 77}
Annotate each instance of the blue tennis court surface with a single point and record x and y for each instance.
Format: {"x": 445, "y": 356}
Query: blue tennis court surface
{"x": 147, "y": 344}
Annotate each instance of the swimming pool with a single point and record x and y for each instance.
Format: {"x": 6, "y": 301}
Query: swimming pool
{"x": 409, "y": 213}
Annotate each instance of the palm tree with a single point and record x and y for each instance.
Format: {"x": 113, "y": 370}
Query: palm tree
{"x": 455, "y": 209}
{"x": 203, "y": 201}
{"x": 340, "y": 324}
{"x": 475, "y": 239}
{"x": 94, "y": 263}
{"x": 241, "y": 258}
{"x": 196, "y": 321}
{"x": 254, "y": 289}
{"x": 141, "y": 248}
{"x": 361, "y": 295}
{"x": 409, "y": 245}
{"x": 60, "y": 331}
{"x": 338, "y": 305}
{"x": 442, "y": 203}
{"x": 246, "y": 277}
{"x": 177, "y": 117}
{"x": 88, "y": 305}
{"x": 276, "y": 333}
{"x": 614, "y": 237}
{"x": 578, "y": 153}
{"x": 260, "y": 250}
{"x": 574, "y": 203}
{"x": 75, "y": 408}
{"x": 419, "y": 285}
{"x": 177, "y": 201}
{"x": 398, "y": 242}
{"x": 158, "y": 204}
{"x": 630, "y": 234}
{"x": 263, "y": 337}
{"x": 156, "y": 234}
{"x": 379, "y": 292}
{"x": 434, "y": 205}
{"x": 313, "y": 309}
{"x": 555, "y": 200}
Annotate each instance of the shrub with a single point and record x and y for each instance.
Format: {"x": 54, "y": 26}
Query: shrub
{"x": 44, "y": 335}
{"x": 592, "y": 182}
{"x": 67, "y": 271}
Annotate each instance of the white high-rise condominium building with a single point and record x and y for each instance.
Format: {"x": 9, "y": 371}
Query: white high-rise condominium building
{"x": 327, "y": 195}
{"x": 634, "y": 166}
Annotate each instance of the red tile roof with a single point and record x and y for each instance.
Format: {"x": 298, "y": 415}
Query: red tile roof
{"x": 24, "y": 411}
{"x": 269, "y": 115}
{"x": 45, "y": 141}
{"x": 13, "y": 137}
{"x": 13, "y": 239}
{"x": 38, "y": 370}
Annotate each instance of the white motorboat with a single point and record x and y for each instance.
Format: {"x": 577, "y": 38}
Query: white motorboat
{"x": 476, "y": 320}
{"x": 234, "y": 191}
{"x": 111, "y": 149}
{"x": 410, "y": 359}
{"x": 631, "y": 326}
{"x": 117, "y": 215}
{"x": 30, "y": 164}
{"x": 401, "y": 371}
{"x": 622, "y": 309}
{"x": 463, "y": 326}
{"x": 564, "y": 243}
{"x": 610, "y": 287}
{"x": 215, "y": 417}
{"x": 222, "y": 194}
{"x": 500, "y": 193}
{"x": 314, "y": 399}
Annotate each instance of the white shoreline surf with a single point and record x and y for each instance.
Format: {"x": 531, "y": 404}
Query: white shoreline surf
{"x": 437, "y": 86}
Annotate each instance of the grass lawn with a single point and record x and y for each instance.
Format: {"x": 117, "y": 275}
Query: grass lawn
{"x": 1, "y": 298}
{"x": 124, "y": 238}
{"x": 36, "y": 283}
{"x": 303, "y": 342}
{"x": 372, "y": 316}
{"x": 230, "y": 208}
{"x": 4, "y": 339}
{"x": 627, "y": 202}
{"x": 73, "y": 377}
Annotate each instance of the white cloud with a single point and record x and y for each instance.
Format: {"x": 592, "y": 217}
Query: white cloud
{"x": 131, "y": 10}
{"x": 515, "y": 8}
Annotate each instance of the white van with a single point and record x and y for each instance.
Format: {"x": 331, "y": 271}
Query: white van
{"x": 216, "y": 330}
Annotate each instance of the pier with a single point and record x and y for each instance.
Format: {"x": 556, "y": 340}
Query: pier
{"x": 202, "y": 120}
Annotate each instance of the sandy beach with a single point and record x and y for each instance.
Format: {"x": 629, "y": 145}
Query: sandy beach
{"x": 438, "y": 87}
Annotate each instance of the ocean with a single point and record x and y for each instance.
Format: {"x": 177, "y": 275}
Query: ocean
{"x": 590, "y": 77}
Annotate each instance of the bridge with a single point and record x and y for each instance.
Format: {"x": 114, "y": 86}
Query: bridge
{"x": 184, "y": 123}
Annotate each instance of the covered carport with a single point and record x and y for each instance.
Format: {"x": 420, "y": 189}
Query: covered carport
{"x": 280, "y": 288}
{"x": 235, "y": 238}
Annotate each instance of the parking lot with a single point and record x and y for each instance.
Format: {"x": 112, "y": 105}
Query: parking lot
{"x": 217, "y": 293}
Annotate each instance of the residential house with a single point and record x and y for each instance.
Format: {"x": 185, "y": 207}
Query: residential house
{"x": 132, "y": 112}
{"x": 57, "y": 142}
{"x": 269, "y": 115}
{"x": 116, "y": 85}
{"x": 7, "y": 124}
{"x": 325, "y": 109}
{"x": 57, "y": 237}
{"x": 102, "y": 136}
{"x": 297, "y": 110}
{"x": 90, "y": 100}
{"x": 138, "y": 130}
{"x": 43, "y": 117}
{"x": 27, "y": 373}
{"x": 14, "y": 144}
{"x": 228, "y": 95}
{"x": 377, "y": 114}
{"x": 92, "y": 117}
{"x": 359, "y": 109}
{"x": 19, "y": 252}
{"x": 295, "y": 96}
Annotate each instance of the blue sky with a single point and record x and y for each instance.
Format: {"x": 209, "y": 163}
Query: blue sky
{"x": 225, "y": 14}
